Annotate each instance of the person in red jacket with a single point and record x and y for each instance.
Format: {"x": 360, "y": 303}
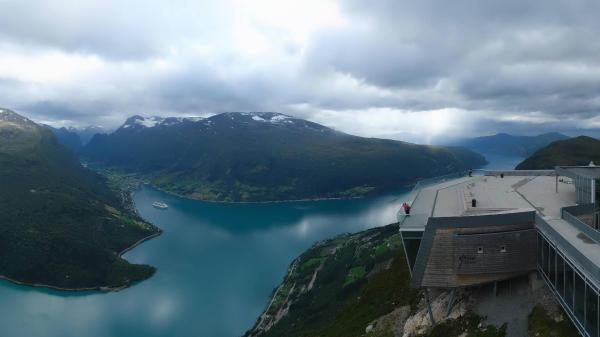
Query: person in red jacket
{"x": 406, "y": 208}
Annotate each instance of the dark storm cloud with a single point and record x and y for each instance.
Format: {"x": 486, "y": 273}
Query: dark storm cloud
{"x": 118, "y": 30}
{"x": 506, "y": 65}
{"x": 521, "y": 56}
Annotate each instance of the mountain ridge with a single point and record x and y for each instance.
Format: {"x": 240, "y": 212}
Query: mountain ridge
{"x": 267, "y": 156}
{"x": 509, "y": 145}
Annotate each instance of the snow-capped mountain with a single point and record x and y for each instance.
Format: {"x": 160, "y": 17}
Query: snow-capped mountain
{"x": 9, "y": 117}
{"x": 140, "y": 122}
{"x": 257, "y": 156}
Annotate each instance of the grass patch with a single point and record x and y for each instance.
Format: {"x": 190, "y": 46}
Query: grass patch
{"x": 540, "y": 324}
{"x": 313, "y": 262}
{"x": 392, "y": 243}
{"x": 354, "y": 274}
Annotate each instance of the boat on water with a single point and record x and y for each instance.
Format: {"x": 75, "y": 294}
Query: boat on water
{"x": 160, "y": 205}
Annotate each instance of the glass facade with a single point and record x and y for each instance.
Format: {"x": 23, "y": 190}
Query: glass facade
{"x": 577, "y": 294}
{"x": 560, "y": 275}
{"x": 552, "y": 265}
{"x": 596, "y": 217}
{"x": 579, "y": 297}
{"x": 569, "y": 285}
{"x": 591, "y": 311}
{"x": 584, "y": 189}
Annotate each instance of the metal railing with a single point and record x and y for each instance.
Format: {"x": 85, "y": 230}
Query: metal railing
{"x": 414, "y": 192}
{"x": 413, "y": 195}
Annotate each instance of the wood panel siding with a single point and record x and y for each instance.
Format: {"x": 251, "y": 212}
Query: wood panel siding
{"x": 475, "y": 253}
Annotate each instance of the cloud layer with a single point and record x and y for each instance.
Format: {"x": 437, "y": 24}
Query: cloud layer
{"x": 416, "y": 70}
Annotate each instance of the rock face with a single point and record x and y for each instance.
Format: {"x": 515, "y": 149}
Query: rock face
{"x": 419, "y": 322}
{"x": 393, "y": 322}
{"x": 60, "y": 225}
{"x": 267, "y": 156}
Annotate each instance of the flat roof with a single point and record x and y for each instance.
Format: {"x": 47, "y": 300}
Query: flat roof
{"x": 493, "y": 195}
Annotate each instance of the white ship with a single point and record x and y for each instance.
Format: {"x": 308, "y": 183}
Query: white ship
{"x": 160, "y": 205}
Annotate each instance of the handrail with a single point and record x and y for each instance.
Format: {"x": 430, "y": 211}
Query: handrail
{"x": 509, "y": 173}
{"x": 416, "y": 190}
{"x": 568, "y": 214}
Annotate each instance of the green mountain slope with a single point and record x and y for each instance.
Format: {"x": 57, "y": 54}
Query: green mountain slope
{"x": 60, "y": 225}
{"x": 572, "y": 152}
{"x": 509, "y": 145}
{"x": 267, "y": 156}
{"x": 339, "y": 286}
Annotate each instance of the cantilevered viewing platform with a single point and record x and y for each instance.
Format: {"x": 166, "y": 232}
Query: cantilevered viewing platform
{"x": 492, "y": 195}
{"x": 494, "y": 225}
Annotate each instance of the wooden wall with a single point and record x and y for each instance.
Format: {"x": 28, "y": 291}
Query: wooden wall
{"x": 454, "y": 259}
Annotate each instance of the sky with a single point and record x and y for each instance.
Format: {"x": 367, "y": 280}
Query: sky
{"x": 421, "y": 71}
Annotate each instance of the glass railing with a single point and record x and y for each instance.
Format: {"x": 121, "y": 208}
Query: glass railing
{"x": 413, "y": 195}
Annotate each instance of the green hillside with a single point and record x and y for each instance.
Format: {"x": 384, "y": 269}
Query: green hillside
{"x": 570, "y": 152}
{"x": 267, "y": 156}
{"x": 60, "y": 225}
{"x": 357, "y": 278}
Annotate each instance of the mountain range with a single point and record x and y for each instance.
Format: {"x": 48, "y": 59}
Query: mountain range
{"x": 60, "y": 224}
{"x": 509, "y": 145}
{"x": 578, "y": 151}
{"x": 75, "y": 138}
{"x": 266, "y": 156}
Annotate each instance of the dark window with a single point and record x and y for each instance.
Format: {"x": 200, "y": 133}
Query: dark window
{"x": 540, "y": 248}
{"x": 591, "y": 311}
{"x": 579, "y": 298}
{"x": 569, "y": 285}
{"x": 552, "y": 266}
{"x": 560, "y": 275}
{"x": 412, "y": 242}
{"x": 545, "y": 258}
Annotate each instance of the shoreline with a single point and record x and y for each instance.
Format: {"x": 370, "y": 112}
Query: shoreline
{"x": 390, "y": 193}
{"x": 253, "y": 202}
{"x": 138, "y": 181}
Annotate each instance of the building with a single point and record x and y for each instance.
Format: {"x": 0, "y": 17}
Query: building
{"x": 468, "y": 230}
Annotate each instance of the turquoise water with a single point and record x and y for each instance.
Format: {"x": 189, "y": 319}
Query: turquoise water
{"x": 217, "y": 265}
{"x": 499, "y": 162}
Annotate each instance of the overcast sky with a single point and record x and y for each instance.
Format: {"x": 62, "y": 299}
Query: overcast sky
{"x": 412, "y": 70}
